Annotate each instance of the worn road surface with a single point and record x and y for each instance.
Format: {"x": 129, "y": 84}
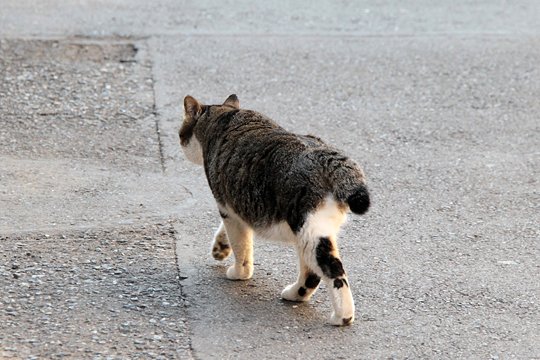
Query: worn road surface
{"x": 105, "y": 228}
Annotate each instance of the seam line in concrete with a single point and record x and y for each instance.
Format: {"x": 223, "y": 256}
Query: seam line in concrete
{"x": 353, "y": 36}
{"x": 83, "y": 39}
{"x": 160, "y": 141}
{"x": 118, "y": 39}
{"x": 176, "y": 240}
{"x": 155, "y": 112}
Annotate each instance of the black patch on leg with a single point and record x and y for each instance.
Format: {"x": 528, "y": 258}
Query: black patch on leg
{"x": 302, "y": 291}
{"x": 312, "y": 281}
{"x": 223, "y": 246}
{"x": 347, "y": 321}
{"x": 345, "y": 282}
{"x": 329, "y": 264}
{"x": 338, "y": 283}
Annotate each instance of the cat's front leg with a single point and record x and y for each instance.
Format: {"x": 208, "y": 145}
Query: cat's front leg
{"x": 241, "y": 240}
{"x": 221, "y": 249}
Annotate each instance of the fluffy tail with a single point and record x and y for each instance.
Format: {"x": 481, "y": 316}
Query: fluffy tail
{"x": 359, "y": 200}
{"x": 345, "y": 179}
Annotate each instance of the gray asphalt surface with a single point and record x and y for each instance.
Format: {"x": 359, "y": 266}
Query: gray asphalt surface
{"x": 105, "y": 228}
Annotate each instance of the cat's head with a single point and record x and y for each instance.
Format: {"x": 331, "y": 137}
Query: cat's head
{"x": 196, "y": 115}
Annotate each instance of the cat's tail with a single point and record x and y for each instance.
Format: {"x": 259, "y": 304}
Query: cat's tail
{"x": 347, "y": 182}
{"x": 359, "y": 200}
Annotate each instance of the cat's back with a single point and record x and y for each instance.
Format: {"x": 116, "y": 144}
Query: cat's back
{"x": 250, "y": 131}
{"x": 245, "y": 138}
{"x": 260, "y": 168}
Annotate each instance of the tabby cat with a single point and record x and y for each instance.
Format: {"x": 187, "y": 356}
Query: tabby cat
{"x": 277, "y": 185}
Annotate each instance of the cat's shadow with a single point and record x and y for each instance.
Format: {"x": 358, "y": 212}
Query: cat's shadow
{"x": 262, "y": 295}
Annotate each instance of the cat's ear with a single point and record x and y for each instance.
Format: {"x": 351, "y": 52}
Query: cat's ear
{"x": 233, "y": 101}
{"x": 192, "y": 107}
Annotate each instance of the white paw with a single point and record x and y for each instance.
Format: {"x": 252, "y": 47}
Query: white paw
{"x": 341, "y": 320}
{"x": 239, "y": 273}
{"x": 291, "y": 293}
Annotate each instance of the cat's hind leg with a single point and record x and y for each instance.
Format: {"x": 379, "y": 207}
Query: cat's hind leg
{"x": 221, "y": 249}
{"x": 318, "y": 247}
{"x": 305, "y": 286}
{"x": 241, "y": 240}
{"x": 324, "y": 257}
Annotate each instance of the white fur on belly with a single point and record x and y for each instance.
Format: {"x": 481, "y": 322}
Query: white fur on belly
{"x": 277, "y": 232}
{"x": 323, "y": 222}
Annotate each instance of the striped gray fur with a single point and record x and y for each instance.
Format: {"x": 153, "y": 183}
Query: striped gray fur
{"x": 265, "y": 173}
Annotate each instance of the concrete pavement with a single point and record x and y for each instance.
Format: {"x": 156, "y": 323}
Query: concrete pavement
{"x": 105, "y": 227}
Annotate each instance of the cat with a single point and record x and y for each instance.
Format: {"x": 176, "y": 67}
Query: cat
{"x": 280, "y": 186}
